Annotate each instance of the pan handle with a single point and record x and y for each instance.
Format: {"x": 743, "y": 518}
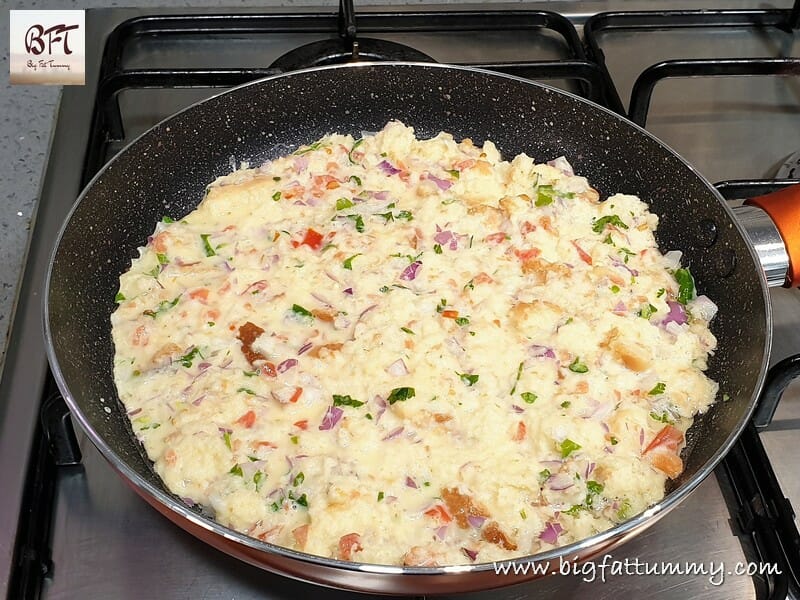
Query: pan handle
{"x": 783, "y": 207}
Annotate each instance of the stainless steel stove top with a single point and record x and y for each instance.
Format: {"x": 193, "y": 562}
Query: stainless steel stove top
{"x": 106, "y": 543}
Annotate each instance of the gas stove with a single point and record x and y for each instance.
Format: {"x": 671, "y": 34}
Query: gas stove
{"x": 721, "y": 87}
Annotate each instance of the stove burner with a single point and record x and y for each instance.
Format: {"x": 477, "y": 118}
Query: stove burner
{"x": 331, "y": 52}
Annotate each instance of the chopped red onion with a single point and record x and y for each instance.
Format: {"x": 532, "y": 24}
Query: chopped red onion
{"x": 382, "y": 195}
{"x": 134, "y": 412}
{"x": 676, "y": 313}
{"x": 286, "y": 365}
{"x": 225, "y": 429}
{"x": 471, "y": 554}
{"x": 197, "y": 401}
{"x": 348, "y": 291}
{"x": 366, "y": 310}
{"x": 641, "y": 437}
{"x": 331, "y": 276}
{"x": 476, "y": 521}
{"x": 304, "y": 348}
{"x": 331, "y": 418}
{"x": 559, "y": 482}
{"x": 321, "y": 299}
{"x": 589, "y": 470}
{"x": 187, "y": 501}
{"x": 203, "y": 366}
{"x": 410, "y": 272}
{"x": 397, "y": 368}
{"x": 620, "y": 308}
{"x": 672, "y": 259}
{"x": 442, "y": 184}
{"x": 380, "y": 401}
{"x": 387, "y": 168}
{"x": 621, "y": 265}
{"x": 446, "y": 238}
{"x": 608, "y": 450}
{"x": 411, "y": 483}
{"x": 537, "y": 351}
{"x": 604, "y": 426}
{"x": 301, "y": 163}
{"x": 562, "y": 164}
{"x": 181, "y": 263}
{"x": 393, "y": 433}
{"x": 703, "y": 308}
{"x": 441, "y": 532}
{"x": 551, "y": 532}
{"x": 552, "y": 464}
{"x": 517, "y": 409}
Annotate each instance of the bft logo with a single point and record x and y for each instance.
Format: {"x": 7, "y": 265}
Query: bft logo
{"x": 58, "y": 34}
{"x": 48, "y": 46}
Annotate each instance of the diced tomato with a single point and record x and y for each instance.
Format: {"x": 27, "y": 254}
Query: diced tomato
{"x": 269, "y": 370}
{"x": 348, "y": 544}
{"x": 313, "y": 239}
{"x": 439, "y": 512}
{"x": 528, "y": 254}
{"x": 247, "y": 419}
{"x": 496, "y": 237}
{"x": 527, "y": 227}
{"x": 450, "y": 314}
{"x": 199, "y": 294}
{"x": 140, "y": 336}
{"x": 582, "y": 253}
{"x": 482, "y": 278}
{"x": 669, "y": 438}
{"x": 520, "y": 432}
{"x": 467, "y": 163}
{"x": 296, "y": 396}
{"x": 300, "y": 535}
{"x": 301, "y": 424}
{"x": 327, "y": 181}
{"x": 266, "y": 444}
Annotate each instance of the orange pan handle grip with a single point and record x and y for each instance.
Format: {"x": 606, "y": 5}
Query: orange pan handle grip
{"x": 783, "y": 207}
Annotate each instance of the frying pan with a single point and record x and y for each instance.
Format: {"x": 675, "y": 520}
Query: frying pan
{"x": 166, "y": 170}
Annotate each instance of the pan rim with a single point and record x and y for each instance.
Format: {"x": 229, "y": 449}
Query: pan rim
{"x": 621, "y": 531}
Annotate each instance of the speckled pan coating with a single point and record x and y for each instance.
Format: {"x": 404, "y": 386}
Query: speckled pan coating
{"x": 166, "y": 170}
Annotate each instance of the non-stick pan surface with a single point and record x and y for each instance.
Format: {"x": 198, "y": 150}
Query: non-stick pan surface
{"x": 166, "y": 170}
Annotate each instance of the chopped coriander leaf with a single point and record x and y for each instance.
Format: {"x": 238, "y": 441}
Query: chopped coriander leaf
{"x": 626, "y": 254}
{"x": 594, "y": 487}
{"x": 660, "y": 292}
{"x": 726, "y": 397}
{"x": 523, "y": 514}
{"x": 275, "y": 507}
{"x": 529, "y": 397}
{"x": 615, "y": 289}
{"x": 380, "y": 496}
{"x": 346, "y": 401}
{"x": 301, "y": 312}
{"x": 647, "y": 311}
{"x": 659, "y": 388}
{"x": 343, "y": 203}
{"x": 387, "y": 216}
{"x": 227, "y": 438}
{"x": 624, "y": 510}
{"x": 437, "y": 248}
{"x": 574, "y": 510}
{"x": 614, "y": 440}
{"x": 461, "y": 321}
{"x": 210, "y": 323}
{"x": 544, "y": 475}
{"x": 276, "y": 196}
{"x": 608, "y": 240}
{"x": 120, "y": 297}
{"x": 186, "y": 359}
{"x": 163, "y": 306}
{"x": 576, "y": 366}
{"x": 661, "y": 418}
{"x": 544, "y": 195}
{"x": 295, "y": 440}
{"x": 355, "y": 145}
{"x": 209, "y": 250}
{"x": 355, "y": 179}
{"x": 568, "y": 447}
{"x": 167, "y": 219}
{"x": 405, "y": 215}
{"x": 470, "y": 285}
{"x": 566, "y": 404}
{"x": 468, "y": 378}
{"x": 247, "y": 391}
{"x": 252, "y": 458}
{"x": 359, "y": 222}
{"x": 348, "y": 263}
{"x": 442, "y": 303}
{"x": 255, "y": 373}
{"x": 236, "y": 470}
{"x": 516, "y": 379}
{"x": 258, "y": 479}
{"x": 162, "y": 258}
{"x": 455, "y": 173}
{"x": 309, "y": 148}
{"x": 276, "y": 179}
{"x": 602, "y": 222}
{"x": 407, "y": 330}
{"x": 384, "y": 289}
{"x": 298, "y": 479}
{"x": 368, "y": 416}
{"x": 685, "y": 285}
{"x": 302, "y": 501}
{"x": 401, "y": 394}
